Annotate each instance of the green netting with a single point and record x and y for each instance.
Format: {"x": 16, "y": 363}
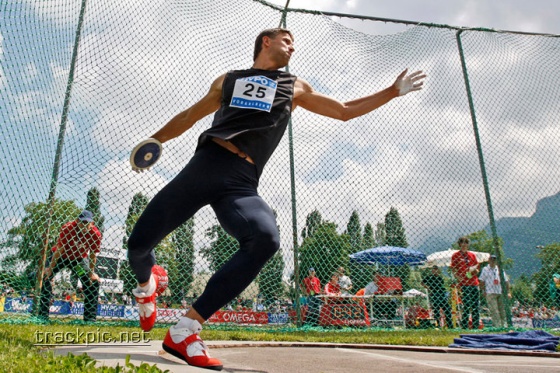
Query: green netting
{"x": 473, "y": 154}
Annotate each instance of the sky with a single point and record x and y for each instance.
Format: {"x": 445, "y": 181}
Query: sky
{"x": 539, "y": 16}
{"x": 142, "y": 61}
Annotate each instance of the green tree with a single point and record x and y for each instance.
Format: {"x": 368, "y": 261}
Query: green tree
{"x": 361, "y": 274}
{"x": 380, "y": 235}
{"x": 137, "y": 205}
{"x": 30, "y": 235}
{"x": 369, "y": 237}
{"x": 395, "y": 234}
{"x": 271, "y": 286}
{"x": 312, "y": 222}
{"x": 550, "y": 264}
{"x": 521, "y": 291}
{"x": 269, "y": 280}
{"x": 354, "y": 231}
{"x": 93, "y": 204}
{"x": 166, "y": 258}
{"x": 181, "y": 280}
{"x": 221, "y": 249}
{"x": 396, "y": 237}
{"x": 325, "y": 250}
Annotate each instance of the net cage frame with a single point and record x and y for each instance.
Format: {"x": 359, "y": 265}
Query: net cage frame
{"x": 64, "y": 176}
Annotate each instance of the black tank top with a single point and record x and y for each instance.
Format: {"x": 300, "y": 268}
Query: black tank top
{"x": 254, "y": 113}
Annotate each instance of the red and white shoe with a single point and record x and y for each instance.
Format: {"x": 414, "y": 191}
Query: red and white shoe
{"x": 147, "y": 305}
{"x": 187, "y": 345}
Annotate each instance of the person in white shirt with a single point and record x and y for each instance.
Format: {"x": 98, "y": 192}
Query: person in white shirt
{"x": 344, "y": 282}
{"x": 492, "y": 289}
{"x": 373, "y": 286}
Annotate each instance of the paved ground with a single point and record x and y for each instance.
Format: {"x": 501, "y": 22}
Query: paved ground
{"x": 270, "y": 357}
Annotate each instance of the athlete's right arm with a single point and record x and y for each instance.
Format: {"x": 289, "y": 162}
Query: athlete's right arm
{"x": 186, "y": 119}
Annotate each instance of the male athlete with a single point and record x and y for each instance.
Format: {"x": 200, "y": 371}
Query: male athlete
{"x": 252, "y": 108}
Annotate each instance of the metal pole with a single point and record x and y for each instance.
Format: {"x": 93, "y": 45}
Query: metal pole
{"x": 495, "y": 238}
{"x": 57, "y": 157}
{"x": 293, "y": 192}
{"x": 284, "y": 12}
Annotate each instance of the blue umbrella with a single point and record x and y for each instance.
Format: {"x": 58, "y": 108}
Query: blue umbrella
{"x": 389, "y": 255}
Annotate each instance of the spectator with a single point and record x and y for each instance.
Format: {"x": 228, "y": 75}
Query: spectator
{"x": 492, "y": 289}
{"x": 359, "y": 296}
{"x": 372, "y": 287}
{"x": 332, "y": 288}
{"x": 344, "y": 282}
{"x": 78, "y": 239}
{"x": 438, "y": 295}
{"x": 464, "y": 266}
{"x": 381, "y": 308}
{"x": 312, "y": 289}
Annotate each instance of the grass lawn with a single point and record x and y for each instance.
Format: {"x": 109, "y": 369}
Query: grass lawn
{"x": 19, "y": 351}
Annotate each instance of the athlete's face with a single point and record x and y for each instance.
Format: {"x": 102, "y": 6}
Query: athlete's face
{"x": 281, "y": 49}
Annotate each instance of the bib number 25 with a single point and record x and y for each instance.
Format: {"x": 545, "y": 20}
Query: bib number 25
{"x": 254, "y": 92}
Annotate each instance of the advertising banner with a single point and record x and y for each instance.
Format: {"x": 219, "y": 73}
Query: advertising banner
{"x": 241, "y": 317}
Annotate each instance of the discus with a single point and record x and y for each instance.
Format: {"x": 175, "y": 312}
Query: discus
{"x": 145, "y": 154}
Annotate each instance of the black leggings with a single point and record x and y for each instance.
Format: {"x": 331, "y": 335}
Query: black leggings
{"x": 470, "y": 297}
{"x": 228, "y": 183}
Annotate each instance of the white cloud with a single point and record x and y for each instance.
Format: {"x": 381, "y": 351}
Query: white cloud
{"x": 417, "y": 153}
{"x": 113, "y": 236}
{"x": 540, "y": 16}
{"x": 31, "y": 72}
{"x": 117, "y": 184}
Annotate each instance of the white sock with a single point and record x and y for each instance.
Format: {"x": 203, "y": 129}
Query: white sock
{"x": 147, "y": 289}
{"x": 184, "y": 328}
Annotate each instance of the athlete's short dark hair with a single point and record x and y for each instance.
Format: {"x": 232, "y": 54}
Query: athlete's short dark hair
{"x": 271, "y": 33}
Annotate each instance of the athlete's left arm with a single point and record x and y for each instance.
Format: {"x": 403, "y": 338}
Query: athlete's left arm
{"x": 306, "y": 97}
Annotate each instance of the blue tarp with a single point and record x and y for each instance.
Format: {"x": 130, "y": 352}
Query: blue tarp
{"x": 534, "y": 340}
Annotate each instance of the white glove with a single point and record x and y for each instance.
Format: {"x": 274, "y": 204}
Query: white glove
{"x": 408, "y": 83}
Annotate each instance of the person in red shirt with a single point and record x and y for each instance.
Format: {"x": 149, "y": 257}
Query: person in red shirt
{"x": 312, "y": 288}
{"x": 78, "y": 240}
{"x": 465, "y": 268}
{"x": 332, "y": 288}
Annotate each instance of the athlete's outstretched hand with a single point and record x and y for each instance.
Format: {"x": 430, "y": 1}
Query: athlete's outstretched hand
{"x": 408, "y": 83}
